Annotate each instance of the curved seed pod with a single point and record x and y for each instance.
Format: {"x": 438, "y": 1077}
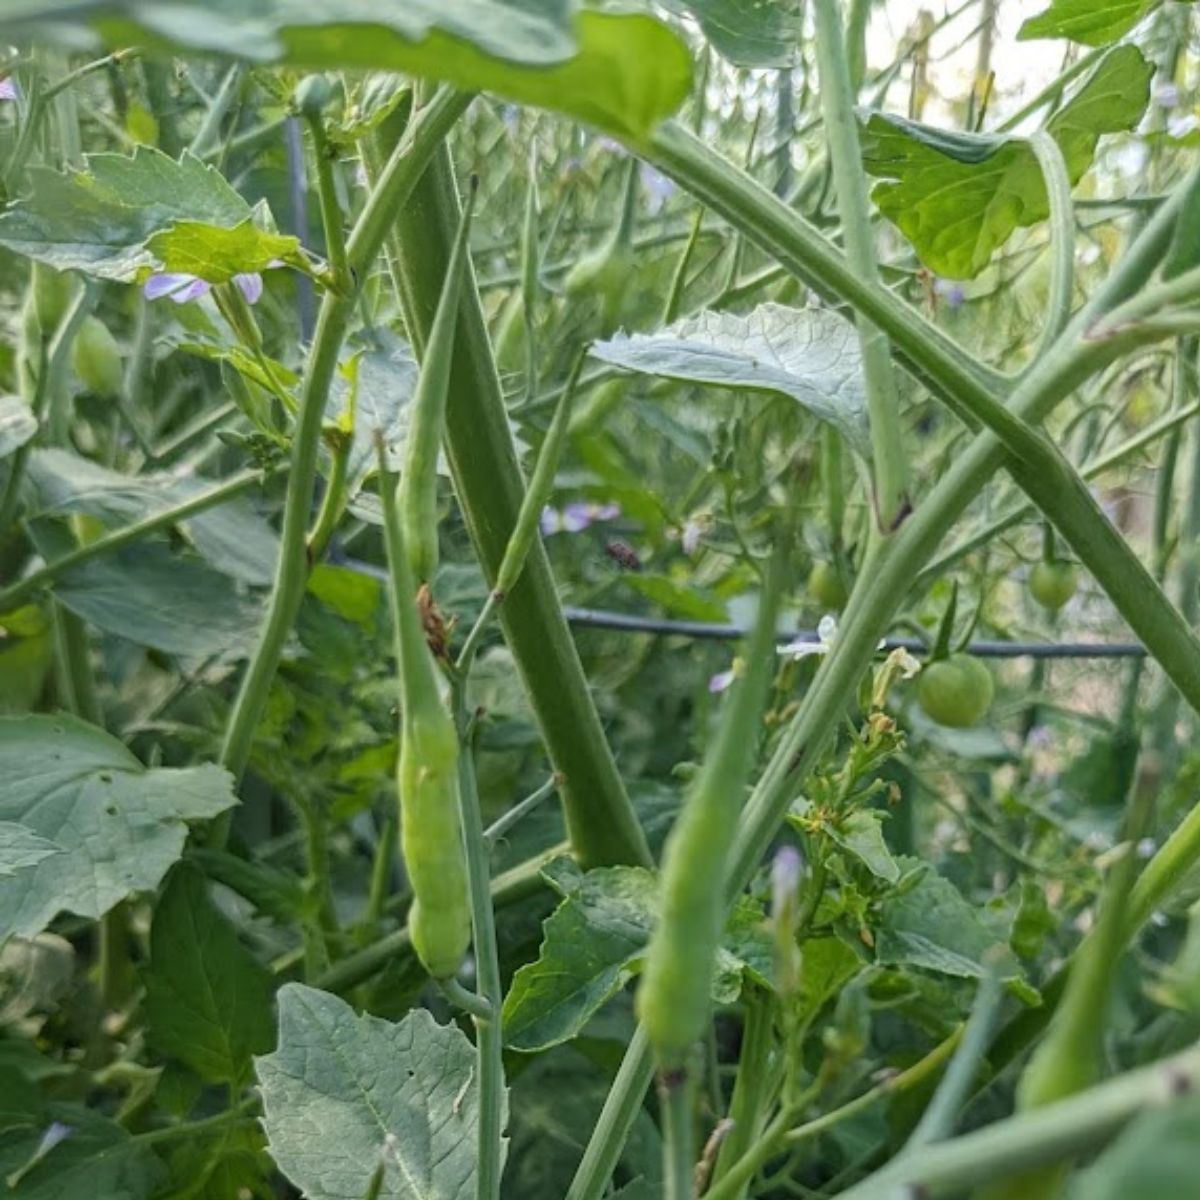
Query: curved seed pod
{"x": 417, "y": 500}
{"x": 673, "y": 1000}
{"x": 431, "y": 836}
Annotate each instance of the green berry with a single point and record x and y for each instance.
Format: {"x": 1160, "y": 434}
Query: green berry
{"x": 1052, "y": 584}
{"x": 955, "y": 691}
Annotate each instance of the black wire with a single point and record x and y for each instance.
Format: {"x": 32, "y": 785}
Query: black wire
{"x": 595, "y": 618}
{"x": 601, "y": 618}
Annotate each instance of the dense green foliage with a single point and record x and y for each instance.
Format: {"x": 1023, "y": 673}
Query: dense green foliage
{"x": 598, "y": 600}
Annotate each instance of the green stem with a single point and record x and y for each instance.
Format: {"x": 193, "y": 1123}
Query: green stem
{"x": 331, "y": 212}
{"x": 393, "y": 189}
{"x": 333, "y": 503}
{"x": 621, "y": 1108}
{"x": 11, "y": 596}
{"x": 488, "y": 1033}
{"x": 677, "y": 1093}
{"x": 210, "y": 128}
{"x": 1062, "y": 237}
{"x": 841, "y": 132}
{"x": 498, "y": 828}
{"x": 747, "y": 1108}
{"x": 601, "y": 822}
{"x": 1048, "y": 1135}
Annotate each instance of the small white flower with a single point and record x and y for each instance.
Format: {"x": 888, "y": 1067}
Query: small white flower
{"x": 907, "y": 664}
{"x": 8, "y": 88}
{"x": 803, "y": 646}
{"x": 1146, "y": 847}
{"x": 722, "y": 681}
{"x": 1166, "y": 95}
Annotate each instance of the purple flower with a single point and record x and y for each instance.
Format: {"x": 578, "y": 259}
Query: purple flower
{"x": 950, "y": 291}
{"x": 658, "y": 187}
{"x": 56, "y": 1132}
{"x": 722, "y": 681}
{"x": 785, "y": 879}
{"x": 610, "y": 144}
{"x": 181, "y": 287}
{"x": 576, "y": 517}
{"x": 1166, "y": 95}
{"x": 8, "y": 88}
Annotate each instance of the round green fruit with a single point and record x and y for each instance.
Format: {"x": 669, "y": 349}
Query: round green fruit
{"x": 1052, "y": 584}
{"x": 96, "y": 358}
{"x": 955, "y": 691}
{"x": 825, "y": 586}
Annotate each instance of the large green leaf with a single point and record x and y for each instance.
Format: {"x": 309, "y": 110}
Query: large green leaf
{"x": 21, "y": 849}
{"x": 97, "y": 1159}
{"x": 344, "y": 1091}
{"x": 593, "y": 945}
{"x": 1092, "y": 22}
{"x": 809, "y": 354}
{"x": 623, "y": 72}
{"x": 958, "y": 197}
{"x": 931, "y": 925}
{"x": 151, "y": 596}
{"x": 749, "y": 33}
{"x": 117, "y": 826}
{"x": 208, "y": 999}
{"x": 124, "y": 216}
{"x": 231, "y": 537}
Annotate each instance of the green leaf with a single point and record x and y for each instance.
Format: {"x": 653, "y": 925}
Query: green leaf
{"x": 21, "y": 849}
{"x": 119, "y": 826}
{"x": 17, "y": 424}
{"x": 1158, "y": 1155}
{"x": 932, "y": 926}
{"x": 958, "y": 197}
{"x": 748, "y": 33}
{"x": 103, "y": 219}
{"x": 623, "y": 72}
{"x": 809, "y": 354}
{"x": 592, "y": 946}
{"x": 861, "y": 834}
{"x": 232, "y": 537}
{"x": 216, "y": 254}
{"x": 1092, "y": 22}
{"x": 341, "y": 1086}
{"x": 208, "y": 999}
{"x": 678, "y": 599}
{"x": 97, "y": 1159}
{"x": 154, "y": 597}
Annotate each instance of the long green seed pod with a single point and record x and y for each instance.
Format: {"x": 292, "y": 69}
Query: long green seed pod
{"x": 418, "y": 476}
{"x": 673, "y": 1000}
{"x": 431, "y": 837}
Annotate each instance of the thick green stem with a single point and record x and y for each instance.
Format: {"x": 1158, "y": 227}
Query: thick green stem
{"x": 601, "y": 822}
{"x": 841, "y": 132}
{"x": 677, "y": 1091}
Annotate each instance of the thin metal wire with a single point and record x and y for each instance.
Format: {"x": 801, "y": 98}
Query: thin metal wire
{"x": 600, "y": 618}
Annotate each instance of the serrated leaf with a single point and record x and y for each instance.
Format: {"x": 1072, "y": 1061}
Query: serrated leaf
{"x": 340, "y": 1085}
{"x": 749, "y": 33}
{"x": 21, "y": 849}
{"x": 623, "y": 72}
{"x": 1091, "y": 22}
{"x": 958, "y": 197}
{"x": 592, "y": 946}
{"x": 811, "y": 355}
{"x": 17, "y": 424}
{"x": 101, "y": 220}
{"x": 208, "y": 999}
{"x": 98, "y": 1158}
{"x": 119, "y": 825}
{"x": 933, "y": 927}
